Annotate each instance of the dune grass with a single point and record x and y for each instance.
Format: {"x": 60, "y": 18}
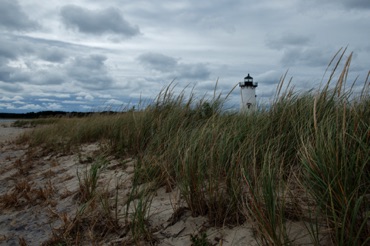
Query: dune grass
{"x": 306, "y": 158}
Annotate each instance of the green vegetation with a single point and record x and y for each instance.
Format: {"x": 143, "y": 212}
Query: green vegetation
{"x": 306, "y": 158}
{"x": 200, "y": 240}
{"x": 35, "y": 122}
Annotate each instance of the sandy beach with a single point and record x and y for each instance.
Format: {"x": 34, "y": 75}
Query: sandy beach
{"x": 39, "y": 194}
{"x": 9, "y": 133}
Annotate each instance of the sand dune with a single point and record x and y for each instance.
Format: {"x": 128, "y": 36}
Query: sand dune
{"x": 39, "y": 199}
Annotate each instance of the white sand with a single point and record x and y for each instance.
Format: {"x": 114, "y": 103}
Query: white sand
{"x": 9, "y": 133}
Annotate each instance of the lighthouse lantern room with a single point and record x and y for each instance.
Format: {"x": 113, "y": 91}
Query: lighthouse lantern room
{"x": 248, "y": 95}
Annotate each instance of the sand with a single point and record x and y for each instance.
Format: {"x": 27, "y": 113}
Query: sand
{"x": 39, "y": 194}
{"x": 9, "y": 133}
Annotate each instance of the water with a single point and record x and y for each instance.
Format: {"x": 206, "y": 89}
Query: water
{"x": 6, "y": 120}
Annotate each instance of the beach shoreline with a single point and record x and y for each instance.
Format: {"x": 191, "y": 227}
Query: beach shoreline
{"x": 9, "y": 133}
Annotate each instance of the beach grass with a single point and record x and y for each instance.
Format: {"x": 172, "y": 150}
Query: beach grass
{"x": 305, "y": 158}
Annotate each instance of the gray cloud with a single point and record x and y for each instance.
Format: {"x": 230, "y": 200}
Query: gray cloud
{"x": 270, "y": 78}
{"x": 12, "y": 17}
{"x": 38, "y": 62}
{"x": 76, "y": 52}
{"x": 11, "y": 74}
{"x": 10, "y": 87}
{"x": 312, "y": 57}
{"x": 330, "y": 4}
{"x": 19, "y": 57}
{"x": 193, "y": 71}
{"x": 355, "y": 4}
{"x": 173, "y": 68}
{"x": 13, "y": 47}
{"x": 358, "y": 3}
{"x": 53, "y": 55}
{"x": 41, "y": 62}
{"x": 287, "y": 40}
{"x": 6, "y": 73}
{"x": 51, "y": 76}
{"x": 90, "y": 72}
{"x": 158, "y": 62}
{"x": 192, "y": 14}
{"x": 105, "y": 21}
{"x": 298, "y": 50}
{"x": 7, "y": 50}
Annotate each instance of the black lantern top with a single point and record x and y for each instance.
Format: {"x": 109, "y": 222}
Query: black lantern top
{"x": 248, "y": 82}
{"x": 248, "y": 79}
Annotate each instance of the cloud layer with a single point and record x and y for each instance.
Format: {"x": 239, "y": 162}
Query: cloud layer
{"x": 97, "y": 22}
{"x": 91, "y": 55}
{"x": 173, "y": 68}
{"x": 12, "y": 17}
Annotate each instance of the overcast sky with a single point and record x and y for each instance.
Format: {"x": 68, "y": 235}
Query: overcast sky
{"x": 85, "y": 55}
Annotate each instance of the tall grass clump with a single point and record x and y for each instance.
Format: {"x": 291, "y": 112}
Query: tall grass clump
{"x": 138, "y": 207}
{"x": 336, "y": 162}
{"x": 304, "y": 159}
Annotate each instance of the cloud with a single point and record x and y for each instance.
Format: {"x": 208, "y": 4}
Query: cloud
{"x": 312, "y": 57}
{"x": 53, "y": 54}
{"x": 15, "y": 98}
{"x": 52, "y": 106}
{"x": 357, "y": 3}
{"x": 298, "y": 50}
{"x": 12, "y": 47}
{"x": 363, "y": 5}
{"x": 7, "y": 50}
{"x": 45, "y": 62}
{"x": 158, "y": 62}
{"x": 193, "y": 71}
{"x": 84, "y": 96}
{"x": 190, "y": 41}
{"x": 287, "y": 40}
{"x": 353, "y": 4}
{"x": 218, "y": 23}
{"x": 22, "y": 60}
{"x": 12, "y": 75}
{"x": 105, "y": 21}
{"x": 10, "y": 87}
{"x": 172, "y": 67}
{"x": 90, "y": 72}
{"x": 12, "y": 17}
{"x": 36, "y": 67}
{"x": 48, "y": 76}
{"x": 114, "y": 101}
{"x": 31, "y": 73}
{"x": 31, "y": 106}
{"x": 5, "y": 73}
{"x": 270, "y": 78}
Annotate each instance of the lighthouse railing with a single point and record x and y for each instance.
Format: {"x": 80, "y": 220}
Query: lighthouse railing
{"x": 248, "y": 84}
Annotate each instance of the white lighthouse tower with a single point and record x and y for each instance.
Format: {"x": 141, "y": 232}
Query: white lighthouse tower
{"x": 248, "y": 95}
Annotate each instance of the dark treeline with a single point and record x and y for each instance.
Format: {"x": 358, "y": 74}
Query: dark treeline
{"x": 47, "y": 114}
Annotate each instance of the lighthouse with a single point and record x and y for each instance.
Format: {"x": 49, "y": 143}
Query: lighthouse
{"x": 248, "y": 95}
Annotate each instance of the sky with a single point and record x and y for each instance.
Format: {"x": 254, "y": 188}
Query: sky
{"x": 92, "y": 55}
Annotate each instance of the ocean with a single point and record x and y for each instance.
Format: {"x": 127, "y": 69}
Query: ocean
{"x": 6, "y": 120}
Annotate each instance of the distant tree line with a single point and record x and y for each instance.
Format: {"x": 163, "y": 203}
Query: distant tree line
{"x": 47, "y": 114}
